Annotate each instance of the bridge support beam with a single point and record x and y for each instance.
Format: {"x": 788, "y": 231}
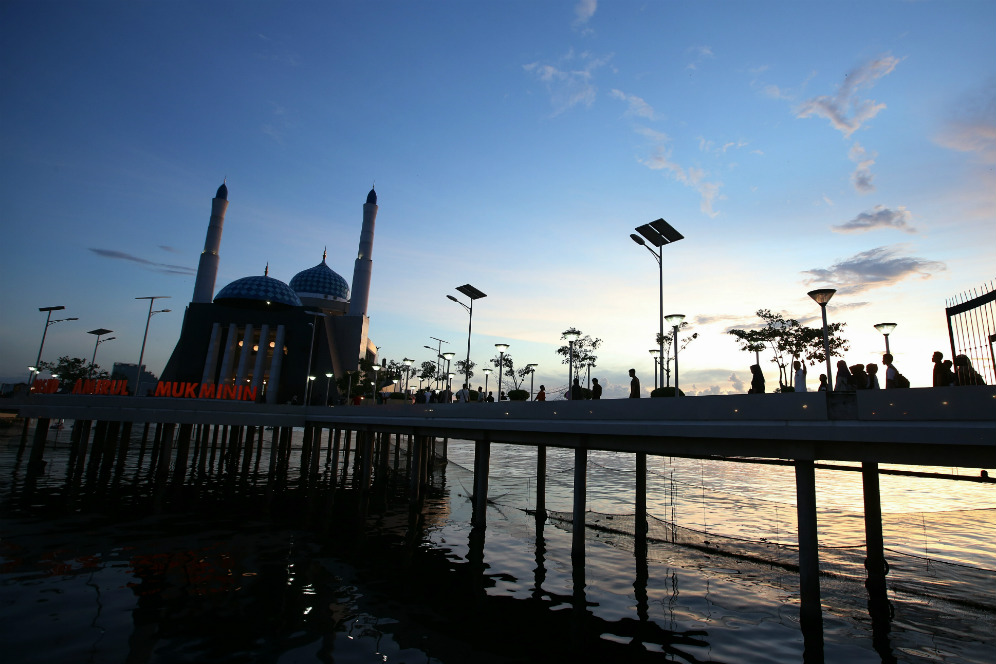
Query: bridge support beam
{"x": 482, "y": 466}
{"x": 580, "y": 500}
{"x": 541, "y": 483}
{"x": 875, "y": 564}
{"x": 640, "y": 520}
{"x": 811, "y": 612}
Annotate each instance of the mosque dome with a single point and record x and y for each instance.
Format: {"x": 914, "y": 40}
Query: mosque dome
{"x": 258, "y": 291}
{"x": 322, "y": 282}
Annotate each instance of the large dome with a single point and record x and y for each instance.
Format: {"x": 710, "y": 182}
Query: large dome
{"x": 321, "y": 282}
{"x": 258, "y": 291}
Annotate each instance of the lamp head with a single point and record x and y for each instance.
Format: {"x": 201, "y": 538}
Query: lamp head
{"x": 487, "y": 371}
{"x": 674, "y": 319}
{"x": 449, "y": 356}
{"x": 501, "y": 347}
{"x": 655, "y": 351}
{"x": 328, "y": 375}
{"x": 636, "y": 238}
{"x": 822, "y": 295}
{"x": 571, "y": 336}
{"x": 885, "y": 328}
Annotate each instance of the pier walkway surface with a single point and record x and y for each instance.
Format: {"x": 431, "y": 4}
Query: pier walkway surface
{"x": 951, "y": 427}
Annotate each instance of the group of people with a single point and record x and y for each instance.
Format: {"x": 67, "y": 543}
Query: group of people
{"x": 866, "y": 376}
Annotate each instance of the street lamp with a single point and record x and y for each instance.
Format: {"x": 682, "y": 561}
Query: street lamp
{"x": 532, "y": 374}
{"x": 501, "y": 365}
{"x": 886, "y": 329}
{"x": 98, "y": 332}
{"x": 307, "y": 392}
{"x": 48, "y": 321}
{"x": 487, "y": 374}
{"x": 821, "y": 296}
{"x": 655, "y": 353}
{"x": 141, "y": 355}
{"x": 658, "y": 233}
{"x": 571, "y": 338}
{"x": 473, "y": 294}
{"x": 674, "y": 320}
{"x": 328, "y": 385}
{"x": 408, "y": 362}
{"x": 375, "y": 368}
{"x": 449, "y": 377}
{"x": 311, "y": 351}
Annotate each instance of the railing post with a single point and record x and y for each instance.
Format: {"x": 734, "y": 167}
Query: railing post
{"x": 811, "y": 613}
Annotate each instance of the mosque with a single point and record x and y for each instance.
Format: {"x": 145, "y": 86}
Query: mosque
{"x": 261, "y": 333}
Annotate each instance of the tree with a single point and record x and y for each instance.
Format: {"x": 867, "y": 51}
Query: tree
{"x": 788, "y": 340}
{"x": 584, "y": 353}
{"x": 668, "y": 355}
{"x": 462, "y": 368}
{"x": 71, "y": 369}
{"x": 506, "y": 367}
{"x": 427, "y": 371}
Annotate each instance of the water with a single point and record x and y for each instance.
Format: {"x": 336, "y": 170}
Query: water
{"x": 239, "y": 567}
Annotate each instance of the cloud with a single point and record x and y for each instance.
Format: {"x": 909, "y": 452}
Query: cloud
{"x": 164, "y": 268}
{"x": 637, "y": 106}
{"x": 879, "y": 217}
{"x": 973, "y": 125}
{"x": 172, "y": 250}
{"x": 862, "y": 175}
{"x": 568, "y": 86}
{"x": 874, "y": 268}
{"x": 846, "y": 110}
{"x": 583, "y": 11}
{"x": 738, "y": 385}
{"x": 690, "y": 177}
{"x": 700, "y": 53}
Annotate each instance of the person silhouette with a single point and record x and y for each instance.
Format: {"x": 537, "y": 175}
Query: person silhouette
{"x": 596, "y": 389}
{"x": 541, "y": 395}
{"x": 634, "y": 385}
{"x": 757, "y": 380}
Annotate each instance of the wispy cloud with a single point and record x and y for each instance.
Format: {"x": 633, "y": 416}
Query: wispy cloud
{"x": 862, "y": 176}
{"x": 882, "y": 266}
{"x": 879, "y": 217}
{"x": 636, "y": 105}
{"x": 570, "y": 81}
{"x": 699, "y": 55}
{"x": 164, "y": 268}
{"x": 583, "y": 11}
{"x": 661, "y": 160}
{"x": 846, "y": 110}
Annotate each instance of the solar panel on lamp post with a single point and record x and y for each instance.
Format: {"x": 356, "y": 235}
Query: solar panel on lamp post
{"x": 141, "y": 355}
{"x": 48, "y": 321}
{"x": 100, "y": 331}
{"x": 658, "y": 233}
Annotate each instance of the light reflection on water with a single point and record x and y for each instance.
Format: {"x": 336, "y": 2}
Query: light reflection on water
{"x": 748, "y": 611}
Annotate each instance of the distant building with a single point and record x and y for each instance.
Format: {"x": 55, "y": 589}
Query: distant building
{"x": 262, "y": 333}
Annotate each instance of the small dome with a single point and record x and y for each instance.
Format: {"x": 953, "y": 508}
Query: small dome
{"x": 258, "y": 291}
{"x": 222, "y": 192}
{"x": 372, "y": 197}
{"x": 320, "y": 281}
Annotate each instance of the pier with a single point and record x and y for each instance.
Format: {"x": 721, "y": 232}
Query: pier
{"x": 945, "y": 427}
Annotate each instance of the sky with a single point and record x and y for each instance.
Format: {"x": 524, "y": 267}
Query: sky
{"x": 515, "y": 146}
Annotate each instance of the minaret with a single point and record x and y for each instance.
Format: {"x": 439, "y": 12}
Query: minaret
{"x": 363, "y": 267}
{"x": 207, "y": 269}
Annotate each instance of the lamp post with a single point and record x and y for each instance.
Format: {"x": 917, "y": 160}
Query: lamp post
{"x": 571, "y": 338}
{"x": 408, "y": 362}
{"x": 439, "y": 354}
{"x": 655, "y": 353}
{"x": 307, "y": 393}
{"x": 473, "y": 294}
{"x": 532, "y": 375}
{"x": 886, "y": 329}
{"x": 311, "y": 351}
{"x": 99, "y": 332}
{"x": 674, "y": 320}
{"x": 141, "y": 355}
{"x": 821, "y": 296}
{"x": 487, "y": 374}
{"x": 658, "y": 233}
{"x": 328, "y": 386}
{"x": 375, "y": 368}
{"x": 501, "y": 365}
{"x": 449, "y": 377}
{"x": 48, "y": 321}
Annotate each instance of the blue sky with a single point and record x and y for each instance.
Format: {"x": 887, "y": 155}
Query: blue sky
{"x": 514, "y": 146}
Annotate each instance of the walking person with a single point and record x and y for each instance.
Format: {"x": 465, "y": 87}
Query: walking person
{"x": 541, "y": 395}
{"x": 596, "y": 389}
{"x": 938, "y": 360}
{"x": 891, "y": 373}
{"x": 576, "y": 394}
{"x": 634, "y": 385}
{"x": 463, "y": 395}
{"x": 800, "y": 376}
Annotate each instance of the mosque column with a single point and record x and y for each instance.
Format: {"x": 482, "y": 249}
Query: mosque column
{"x": 228, "y": 359}
{"x": 240, "y": 375}
{"x": 278, "y": 362}
{"x": 212, "y": 354}
{"x": 264, "y": 344}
